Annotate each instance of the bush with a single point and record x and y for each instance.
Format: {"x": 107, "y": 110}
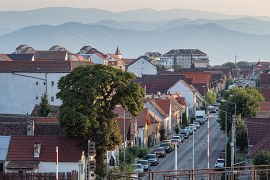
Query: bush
{"x": 142, "y": 152}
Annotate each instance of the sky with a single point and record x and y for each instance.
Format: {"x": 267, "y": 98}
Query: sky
{"x": 232, "y": 7}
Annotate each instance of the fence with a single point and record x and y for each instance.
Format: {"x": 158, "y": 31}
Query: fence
{"x": 39, "y": 176}
{"x": 235, "y": 173}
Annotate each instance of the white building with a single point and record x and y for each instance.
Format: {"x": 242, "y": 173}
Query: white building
{"x": 184, "y": 57}
{"x": 24, "y": 82}
{"x": 142, "y": 67}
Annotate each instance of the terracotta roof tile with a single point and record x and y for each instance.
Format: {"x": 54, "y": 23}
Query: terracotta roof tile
{"x": 21, "y": 148}
{"x": 264, "y": 80}
{"x": 258, "y": 128}
{"x": 199, "y": 77}
{"x": 164, "y": 104}
{"x": 266, "y": 93}
{"x": 40, "y": 66}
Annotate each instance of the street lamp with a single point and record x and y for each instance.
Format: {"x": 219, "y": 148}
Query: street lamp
{"x": 233, "y": 134}
{"x": 226, "y": 136}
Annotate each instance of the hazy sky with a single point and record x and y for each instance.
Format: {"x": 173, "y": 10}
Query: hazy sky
{"x": 235, "y": 7}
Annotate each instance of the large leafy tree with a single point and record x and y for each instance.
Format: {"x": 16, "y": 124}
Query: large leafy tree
{"x": 211, "y": 97}
{"x": 247, "y": 103}
{"x": 89, "y": 95}
{"x": 44, "y": 106}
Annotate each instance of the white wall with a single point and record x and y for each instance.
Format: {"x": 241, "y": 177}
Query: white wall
{"x": 142, "y": 66}
{"x": 185, "y": 91}
{"x": 19, "y": 92}
{"x": 62, "y": 166}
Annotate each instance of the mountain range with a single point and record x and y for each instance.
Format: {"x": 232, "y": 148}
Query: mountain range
{"x": 138, "y": 31}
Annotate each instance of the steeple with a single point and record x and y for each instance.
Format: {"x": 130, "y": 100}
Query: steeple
{"x": 118, "y": 53}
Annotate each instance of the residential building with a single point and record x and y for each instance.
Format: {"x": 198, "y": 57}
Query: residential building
{"x": 38, "y": 154}
{"x": 142, "y": 67}
{"x": 185, "y": 58}
{"x": 153, "y": 57}
{"x": 24, "y": 82}
{"x": 92, "y": 54}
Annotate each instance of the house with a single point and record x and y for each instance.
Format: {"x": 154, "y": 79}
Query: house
{"x": 265, "y": 86}
{"x": 115, "y": 60}
{"x": 92, "y": 54}
{"x": 24, "y": 49}
{"x": 57, "y": 48}
{"x": 4, "y": 144}
{"x": 148, "y": 128}
{"x": 24, "y": 82}
{"x": 38, "y": 154}
{"x": 153, "y": 57}
{"x": 185, "y": 58}
{"x": 258, "y": 135}
{"x": 141, "y": 67}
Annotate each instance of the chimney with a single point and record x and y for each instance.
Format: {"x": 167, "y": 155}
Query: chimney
{"x": 30, "y": 127}
{"x": 37, "y": 148}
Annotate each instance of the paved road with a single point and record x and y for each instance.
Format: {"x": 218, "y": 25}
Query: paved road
{"x": 217, "y": 143}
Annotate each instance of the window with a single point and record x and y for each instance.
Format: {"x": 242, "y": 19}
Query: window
{"x": 52, "y": 83}
{"x": 36, "y": 97}
{"x": 52, "y": 99}
{"x": 36, "y": 83}
{"x": 44, "y": 83}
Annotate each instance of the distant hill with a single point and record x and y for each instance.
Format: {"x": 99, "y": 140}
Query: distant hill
{"x": 219, "y": 43}
{"x": 14, "y": 20}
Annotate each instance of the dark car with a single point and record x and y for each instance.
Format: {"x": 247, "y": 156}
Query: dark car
{"x": 185, "y": 134}
{"x": 160, "y": 152}
{"x": 152, "y": 159}
{"x": 145, "y": 164}
{"x": 167, "y": 147}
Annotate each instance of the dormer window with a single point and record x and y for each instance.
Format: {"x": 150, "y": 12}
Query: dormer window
{"x": 37, "y": 148}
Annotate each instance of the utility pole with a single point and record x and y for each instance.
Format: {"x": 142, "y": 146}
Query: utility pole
{"x": 232, "y": 142}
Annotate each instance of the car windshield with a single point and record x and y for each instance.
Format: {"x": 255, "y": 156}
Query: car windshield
{"x": 151, "y": 156}
{"x": 220, "y": 160}
{"x": 175, "y": 137}
{"x": 138, "y": 166}
{"x": 174, "y": 140}
{"x": 143, "y": 162}
{"x": 159, "y": 149}
{"x": 164, "y": 144}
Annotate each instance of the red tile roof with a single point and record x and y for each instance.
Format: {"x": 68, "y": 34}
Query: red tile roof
{"x": 21, "y": 148}
{"x": 161, "y": 83}
{"x": 40, "y": 66}
{"x": 258, "y": 128}
{"x": 265, "y": 106}
{"x": 264, "y": 80}
{"x": 263, "y": 144}
{"x": 199, "y": 77}
{"x": 47, "y": 120}
{"x": 50, "y": 56}
{"x": 142, "y": 118}
{"x": 164, "y": 104}
{"x": 266, "y": 93}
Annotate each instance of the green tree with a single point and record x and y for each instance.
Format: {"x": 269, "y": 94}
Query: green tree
{"x": 44, "y": 106}
{"x": 184, "y": 119}
{"x": 228, "y": 83}
{"x": 262, "y": 158}
{"x": 229, "y": 65}
{"x": 247, "y": 103}
{"x": 160, "y": 68}
{"x": 89, "y": 95}
{"x": 241, "y": 134}
{"x": 211, "y": 97}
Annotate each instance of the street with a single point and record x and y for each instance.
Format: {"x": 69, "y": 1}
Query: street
{"x": 184, "y": 155}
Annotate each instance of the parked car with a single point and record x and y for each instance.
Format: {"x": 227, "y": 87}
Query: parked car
{"x": 185, "y": 134}
{"x": 152, "y": 159}
{"x": 219, "y": 163}
{"x": 168, "y": 146}
{"x": 138, "y": 169}
{"x": 175, "y": 142}
{"x": 190, "y": 130}
{"x": 160, "y": 152}
{"x": 193, "y": 126}
{"x": 177, "y": 137}
{"x": 197, "y": 124}
{"x": 145, "y": 164}
{"x": 212, "y": 110}
{"x": 181, "y": 136}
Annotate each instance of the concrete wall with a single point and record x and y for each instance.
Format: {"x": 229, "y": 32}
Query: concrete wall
{"x": 19, "y": 92}
{"x": 142, "y": 66}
